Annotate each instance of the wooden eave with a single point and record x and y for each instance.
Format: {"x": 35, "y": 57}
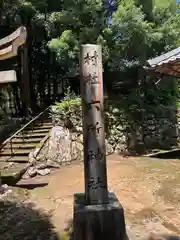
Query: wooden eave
{"x": 168, "y": 63}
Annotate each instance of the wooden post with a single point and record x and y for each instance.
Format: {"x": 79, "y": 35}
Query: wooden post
{"x": 25, "y": 88}
{"x": 96, "y": 191}
{"x": 8, "y": 48}
{"x": 97, "y": 213}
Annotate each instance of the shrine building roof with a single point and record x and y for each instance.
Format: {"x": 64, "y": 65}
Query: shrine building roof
{"x": 168, "y": 63}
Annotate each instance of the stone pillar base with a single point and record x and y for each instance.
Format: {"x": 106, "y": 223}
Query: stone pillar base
{"x": 96, "y": 222}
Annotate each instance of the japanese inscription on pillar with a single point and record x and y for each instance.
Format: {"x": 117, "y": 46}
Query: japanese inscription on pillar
{"x": 93, "y": 125}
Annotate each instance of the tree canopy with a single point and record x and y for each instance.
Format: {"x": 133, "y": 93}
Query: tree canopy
{"x": 130, "y": 32}
{"x": 128, "y": 38}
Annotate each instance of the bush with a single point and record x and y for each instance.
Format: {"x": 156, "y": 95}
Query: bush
{"x": 68, "y": 112}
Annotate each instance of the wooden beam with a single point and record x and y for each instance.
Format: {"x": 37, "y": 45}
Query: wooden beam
{"x": 8, "y": 76}
{"x": 10, "y": 44}
{"x": 18, "y": 37}
{"x": 9, "y": 52}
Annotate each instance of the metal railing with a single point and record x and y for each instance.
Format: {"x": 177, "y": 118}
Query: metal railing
{"x": 22, "y": 131}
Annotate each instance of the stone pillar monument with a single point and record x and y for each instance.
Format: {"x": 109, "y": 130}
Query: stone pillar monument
{"x": 97, "y": 213}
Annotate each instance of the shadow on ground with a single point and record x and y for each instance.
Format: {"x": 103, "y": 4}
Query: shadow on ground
{"x": 20, "y": 221}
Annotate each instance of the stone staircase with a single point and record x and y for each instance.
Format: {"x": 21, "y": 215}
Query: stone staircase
{"x": 14, "y": 153}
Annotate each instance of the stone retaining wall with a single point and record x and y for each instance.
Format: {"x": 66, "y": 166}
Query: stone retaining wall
{"x": 156, "y": 132}
{"x": 125, "y": 133}
{"x": 62, "y": 145}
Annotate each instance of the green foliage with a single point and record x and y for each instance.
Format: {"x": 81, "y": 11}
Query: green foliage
{"x": 66, "y": 50}
{"x": 134, "y": 39}
{"x": 84, "y": 19}
{"x": 131, "y": 36}
{"x": 165, "y": 4}
{"x": 127, "y": 42}
{"x": 66, "y": 105}
{"x": 64, "y": 236}
{"x": 147, "y": 7}
{"x": 78, "y": 23}
{"x": 69, "y": 110}
{"x": 139, "y": 30}
{"x": 69, "y": 100}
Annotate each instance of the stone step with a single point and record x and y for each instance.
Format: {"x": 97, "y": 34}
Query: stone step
{"x": 41, "y": 127}
{"x": 38, "y": 125}
{"x": 32, "y": 183}
{"x": 31, "y": 135}
{"x": 46, "y": 123}
{"x": 166, "y": 154}
{"x": 16, "y": 159}
{"x": 37, "y": 130}
{"x": 49, "y": 126}
{"x": 13, "y": 163}
{"x": 20, "y": 140}
{"x": 11, "y": 174}
{"x": 22, "y": 145}
{"x": 48, "y": 120}
{"x": 17, "y": 152}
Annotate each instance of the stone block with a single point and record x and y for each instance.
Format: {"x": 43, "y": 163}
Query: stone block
{"x": 95, "y": 222}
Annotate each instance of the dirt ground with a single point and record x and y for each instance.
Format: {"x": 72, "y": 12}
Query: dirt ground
{"x": 148, "y": 189}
